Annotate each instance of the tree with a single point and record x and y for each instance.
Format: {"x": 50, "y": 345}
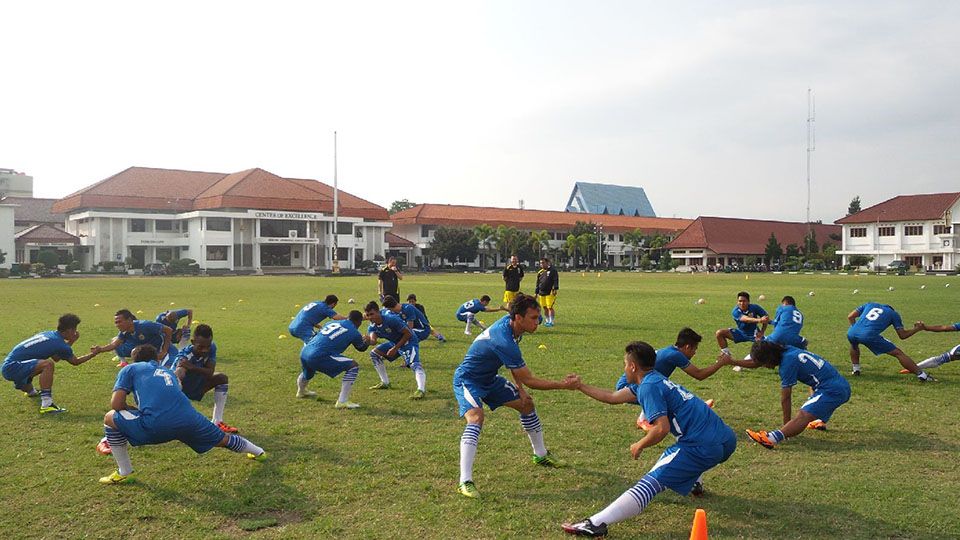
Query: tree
{"x": 792, "y": 250}
{"x": 634, "y": 239}
{"x": 572, "y": 248}
{"x": 508, "y": 241}
{"x": 773, "y": 251}
{"x": 486, "y": 235}
{"x": 656, "y": 243}
{"x": 854, "y": 206}
{"x": 860, "y": 260}
{"x": 829, "y": 253}
{"x": 581, "y": 227}
{"x": 538, "y": 241}
{"x": 666, "y": 262}
{"x": 401, "y": 205}
{"x": 810, "y": 246}
{"x": 454, "y": 244}
{"x": 48, "y": 258}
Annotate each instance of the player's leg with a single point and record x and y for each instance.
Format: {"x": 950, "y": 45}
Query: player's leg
{"x": 469, "y": 401}
{"x": 119, "y": 448}
{"x": 241, "y": 445}
{"x": 44, "y": 370}
{"x": 332, "y": 366}
{"x": 219, "y": 383}
{"x": 306, "y": 374}
{"x": 529, "y": 421}
{"x": 469, "y": 319}
{"x": 722, "y": 336}
{"x": 377, "y": 356}
{"x": 910, "y": 365}
{"x": 412, "y": 358}
{"x": 939, "y": 360}
{"x": 818, "y": 408}
{"x": 854, "y": 357}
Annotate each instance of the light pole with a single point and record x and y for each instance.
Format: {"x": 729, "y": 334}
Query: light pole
{"x": 335, "y": 266}
{"x": 598, "y": 229}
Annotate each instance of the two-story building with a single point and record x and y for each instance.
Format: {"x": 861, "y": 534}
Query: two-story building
{"x": 920, "y": 230}
{"x": 252, "y": 220}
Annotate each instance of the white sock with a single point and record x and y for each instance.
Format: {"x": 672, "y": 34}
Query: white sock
{"x": 631, "y": 503}
{"x": 46, "y": 397}
{"x": 380, "y": 367}
{"x": 642, "y": 417}
{"x": 468, "y": 450}
{"x": 118, "y": 447}
{"x": 726, "y": 351}
{"x": 219, "y": 402}
{"x": 856, "y": 367}
{"x": 421, "y": 377}
{"x": 531, "y": 424}
{"x": 302, "y": 383}
{"x": 238, "y": 444}
{"x": 469, "y": 323}
{"x": 934, "y": 361}
{"x": 347, "y": 384}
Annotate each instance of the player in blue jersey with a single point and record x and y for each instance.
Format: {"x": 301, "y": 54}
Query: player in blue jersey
{"x": 133, "y": 333}
{"x": 324, "y": 353}
{"x": 162, "y": 414}
{"x": 476, "y": 382}
{"x": 467, "y": 312}
{"x": 787, "y": 324}
{"x": 401, "y": 342}
{"x": 309, "y": 318}
{"x": 703, "y": 440}
{"x": 421, "y": 335}
{"x": 829, "y": 390}
{"x": 867, "y": 322}
{"x": 415, "y": 320}
{"x": 36, "y": 357}
{"x": 941, "y": 359}
{"x": 171, "y": 318}
{"x": 746, "y": 316}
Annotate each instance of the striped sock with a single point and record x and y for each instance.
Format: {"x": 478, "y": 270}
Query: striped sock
{"x": 631, "y": 503}
{"x": 468, "y": 450}
{"x": 238, "y": 444}
{"x": 531, "y": 424}
{"x": 347, "y": 383}
{"x": 118, "y": 447}
{"x": 219, "y": 402}
{"x": 776, "y": 436}
{"x": 380, "y": 367}
{"x": 46, "y": 397}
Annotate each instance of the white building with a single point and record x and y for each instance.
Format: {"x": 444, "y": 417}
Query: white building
{"x": 15, "y": 184}
{"x": 6, "y": 234}
{"x": 247, "y": 221}
{"x": 918, "y": 229}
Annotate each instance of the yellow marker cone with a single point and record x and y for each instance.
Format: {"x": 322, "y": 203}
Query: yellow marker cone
{"x": 542, "y": 347}
{"x": 139, "y": 311}
{"x": 598, "y": 274}
{"x": 96, "y": 305}
{"x": 224, "y": 308}
{"x": 171, "y": 303}
{"x": 296, "y": 305}
{"x": 699, "y": 530}
{"x": 281, "y": 336}
{"x": 747, "y": 277}
{"x": 583, "y": 274}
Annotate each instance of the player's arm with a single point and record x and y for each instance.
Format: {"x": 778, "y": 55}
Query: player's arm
{"x": 397, "y": 272}
{"x": 659, "y": 431}
{"x": 407, "y": 334}
{"x": 167, "y": 339}
{"x": 786, "y": 403}
{"x": 189, "y": 318}
{"x": 623, "y": 395}
{"x": 852, "y": 317}
{"x": 118, "y": 401}
{"x": 116, "y": 342}
{"x": 77, "y": 360}
{"x": 905, "y": 333}
{"x": 700, "y": 374}
{"x": 523, "y": 376}
{"x": 338, "y": 317}
{"x": 205, "y": 371}
{"x": 939, "y": 327}
{"x": 491, "y": 309}
{"x": 380, "y": 285}
{"x": 361, "y": 342}
{"x": 749, "y": 364}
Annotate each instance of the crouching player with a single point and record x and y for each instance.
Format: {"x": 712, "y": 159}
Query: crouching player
{"x": 163, "y": 413}
{"x": 941, "y": 359}
{"x": 304, "y": 325}
{"x": 830, "y": 390}
{"x": 171, "y": 319}
{"x": 703, "y": 440}
{"x": 195, "y": 366}
{"x": 467, "y": 312}
{"x": 324, "y": 353}
{"x": 401, "y": 342}
{"x": 415, "y": 319}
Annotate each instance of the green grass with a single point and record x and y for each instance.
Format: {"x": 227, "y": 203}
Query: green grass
{"x": 887, "y": 468}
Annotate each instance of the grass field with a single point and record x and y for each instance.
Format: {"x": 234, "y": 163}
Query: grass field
{"x": 887, "y": 468}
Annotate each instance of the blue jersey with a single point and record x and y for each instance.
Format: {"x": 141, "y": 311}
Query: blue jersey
{"x": 309, "y": 317}
{"x": 788, "y": 322}
{"x": 157, "y": 392}
{"x": 179, "y": 313}
{"x": 493, "y": 348}
{"x": 204, "y": 361}
{"x": 798, "y": 365}
{"x": 691, "y": 421}
{"x": 391, "y": 328}
{"x": 874, "y": 319}
{"x": 753, "y": 311}
{"x": 334, "y": 338}
{"x": 409, "y": 313}
{"x": 471, "y": 306}
{"x": 956, "y": 326}
{"x": 669, "y": 359}
{"x": 144, "y": 333}
{"x": 49, "y": 344}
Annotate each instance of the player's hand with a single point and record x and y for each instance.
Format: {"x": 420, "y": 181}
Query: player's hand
{"x": 572, "y": 381}
{"x": 392, "y": 353}
{"x": 95, "y": 349}
{"x": 724, "y": 359}
{"x": 919, "y": 325}
{"x": 765, "y": 319}
{"x": 635, "y": 450}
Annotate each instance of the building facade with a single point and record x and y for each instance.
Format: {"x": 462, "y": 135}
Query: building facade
{"x": 920, "y": 230}
{"x": 15, "y": 184}
{"x": 591, "y": 198}
{"x": 248, "y": 221}
{"x": 7, "y": 245}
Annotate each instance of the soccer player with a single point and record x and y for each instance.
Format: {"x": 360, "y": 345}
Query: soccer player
{"x": 867, "y": 322}
{"x": 787, "y": 323}
{"x": 939, "y": 360}
{"x": 415, "y": 320}
{"x": 703, "y": 439}
{"x": 36, "y": 356}
{"x": 324, "y": 353}
{"x": 548, "y": 284}
{"x": 400, "y": 343}
{"x": 163, "y": 413}
{"x": 304, "y": 324}
{"x": 512, "y": 276}
{"x": 467, "y": 312}
{"x": 388, "y": 280}
{"x": 133, "y": 333}
{"x": 171, "y": 318}
{"x": 476, "y": 382}
{"x": 424, "y": 329}
{"x": 830, "y": 390}
{"x": 746, "y": 316}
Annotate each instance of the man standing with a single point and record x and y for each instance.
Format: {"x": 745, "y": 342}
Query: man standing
{"x": 388, "y": 281}
{"x": 548, "y": 283}
{"x": 512, "y": 276}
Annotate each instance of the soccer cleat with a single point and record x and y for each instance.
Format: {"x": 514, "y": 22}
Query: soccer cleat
{"x": 905, "y": 371}
{"x": 260, "y": 457}
{"x": 738, "y": 369}
{"x": 585, "y": 528}
{"x": 643, "y": 424}
{"x": 548, "y": 460}
{"x": 697, "y": 489}
{"x": 418, "y": 394}
{"x": 709, "y": 402}
{"x": 380, "y": 386}
{"x": 103, "y": 448}
{"x": 52, "y": 409}
{"x": 122, "y": 362}
{"x": 441, "y": 339}
{"x": 226, "y": 428}
{"x": 818, "y": 425}
{"x": 924, "y": 377}
{"x": 855, "y": 372}
{"x": 466, "y": 332}
{"x": 34, "y": 393}
{"x": 548, "y": 324}
{"x": 116, "y": 478}
{"x": 467, "y": 489}
{"x": 346, "y": 405}
{"x": 303, "y": 394}
{"x": 760, "y": 437}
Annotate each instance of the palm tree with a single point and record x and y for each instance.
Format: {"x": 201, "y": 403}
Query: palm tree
{"x": 587, "y": 243}
{"x": 485, "y": 237}
{"x": 507, "y": 240}
{"x": 538, "y": 241}
{"x": 634, "y": 239}
{"x": 571, "y": 247}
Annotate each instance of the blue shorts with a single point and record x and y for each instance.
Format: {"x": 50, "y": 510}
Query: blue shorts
{"x": 422, "y": 334}
{"x": 471, "y": 395}
{"x": 679, "y": 467}
{"x": 330, "y": 365}
{"x": 304, "y": 334}
{"x": 462, "y": 317}
{"x": 795, "y": 340}
{"x": 409, "y": 352}
{"x": 826, "y": 399}
{"x": 193, "y": 430}
{"x": 21, "y": 373}
{"x": 194, "y": 386}
{"x": 877, "y": 344}
{"x": 739, "y": 336}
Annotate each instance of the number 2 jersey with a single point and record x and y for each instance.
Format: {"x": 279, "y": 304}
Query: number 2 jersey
{"x": 691, "y": 421}
{"x": 799, "y": 365}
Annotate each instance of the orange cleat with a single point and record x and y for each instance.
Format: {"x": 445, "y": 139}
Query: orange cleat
{"x": 226, "y": 428}
{"x": 103, "y": 448}
{"x": 122, "y": 365}
{"x": 905, "y": 371}
{"x": 760, "y": 437}
{"x": 818, "y": 425}
{"x": 709, "y": 402}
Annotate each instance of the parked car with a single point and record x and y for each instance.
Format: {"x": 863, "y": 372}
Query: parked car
{"x": 900, "y": 267}
{"x": 155, "y": 269}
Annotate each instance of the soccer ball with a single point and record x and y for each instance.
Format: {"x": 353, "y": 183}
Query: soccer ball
{"x": 701, "y": 301}
{"x": 351, "y": 301}
{"x": 762, "y": 297}
{"x": 811, "y": 293}
{"x": 890, "y": 288}
{"x": 922, "y": 287}
{"x": 855, "y": 291}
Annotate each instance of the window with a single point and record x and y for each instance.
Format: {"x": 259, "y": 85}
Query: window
{"x": 887, "y": 231}
{"x": 344, "y": 227}
{"x": 217, "y": 253}
{"x": 610, "y": 237}
{"x": 914, "y": 261}
{"x": 358, "y": 232}
{"x": 280, "y": 228}
{"x": 138, "y": 225}
{"x": 164, "y": 254}
{"x": 913, "y": 230}
{"x": 166, "y": 225}
{"x": 941, "y": 229}
{"x": 425, "y": 230}
{"x": 858, "y": 232}
{"x": 218, "y": 224}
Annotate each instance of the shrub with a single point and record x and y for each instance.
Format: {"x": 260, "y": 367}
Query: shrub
{"x": 48, "y": 258}
{"x": 183, "y": 266}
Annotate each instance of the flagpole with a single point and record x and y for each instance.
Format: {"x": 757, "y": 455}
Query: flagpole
{"x": 335, "y": 267}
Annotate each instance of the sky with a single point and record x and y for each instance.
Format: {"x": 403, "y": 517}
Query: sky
{"x": 703, "y": 104}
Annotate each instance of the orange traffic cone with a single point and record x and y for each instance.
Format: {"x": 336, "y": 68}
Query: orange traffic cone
{"x": 699, "y": 530}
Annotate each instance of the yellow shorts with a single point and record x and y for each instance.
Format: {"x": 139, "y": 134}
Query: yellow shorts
{"x": 508, "y": 296}
{"x": 546, "y": 302}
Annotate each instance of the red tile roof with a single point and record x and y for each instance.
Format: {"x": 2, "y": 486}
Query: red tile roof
{"x": 906, "y": 208}
{"x": 395, "y": 241}
{"x": 33, "y": 210}
{"x": 736, "y": 236}
{"x": 144, "y": 188}
{"x": 46, "y": 233}
{"x": 470, "y": 216}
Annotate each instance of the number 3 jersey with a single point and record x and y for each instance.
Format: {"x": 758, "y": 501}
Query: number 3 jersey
{"x": 157, "y": 392}
{"x": 692, "y": 422}
{"x": 334, "y": 338}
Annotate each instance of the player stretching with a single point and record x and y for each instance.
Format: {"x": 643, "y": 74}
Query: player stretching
{"x": 467, "y": 312}
{"x": 939, "y": 360}
{"x": 304, "y": 324}
{"x": 400, "y": 343}
{"x": 703, "y": 440}
{"x": 324, "y": 353}
{"x": 747, "y": 316}
{"x": 512, "y": 276}
{"x": 133, "y": 333}
{"x": 163, "y": 413}
{"x": 867, "y": 322}
{"x": 829, "y": 390}
{"x": 476, "y": 382}
{"x": 548, "y": 284}
{"x": 171, "y": 318}
{"x": 415, "y": 320}
{"x": 420, "y": 328}
{"x": 36, "y": 356}
{"x": 787, "y": 323}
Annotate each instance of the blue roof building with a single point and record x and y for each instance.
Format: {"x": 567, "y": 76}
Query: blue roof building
{"x": 608, "y": 199}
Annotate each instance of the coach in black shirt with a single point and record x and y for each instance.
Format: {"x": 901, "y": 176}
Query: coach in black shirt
{"x": 512, "y": 276}
{"x": 388, "y": 281}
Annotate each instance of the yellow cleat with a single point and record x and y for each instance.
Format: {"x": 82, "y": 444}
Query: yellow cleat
{"x": 116, "y": 478}
{"x": 261, "y": 457}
